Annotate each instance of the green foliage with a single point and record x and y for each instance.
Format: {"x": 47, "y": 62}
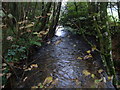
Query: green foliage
{"x": 16, "y": 53}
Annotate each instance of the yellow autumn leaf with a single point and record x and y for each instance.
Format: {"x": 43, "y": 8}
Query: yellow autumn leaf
{"x": 94, "y": 48}
{"x": 88, "y": 56}
{"x": 79, "y": 58}
{"x": 110, "y": 77}
{"x": 86, "y": 73}
{"x": 88, "y": 51}
{"x": 48, "y": 80}
{"x": 34, "y": 87}
{"x": 100, "y": 70}
{"x": 92, "y": 75}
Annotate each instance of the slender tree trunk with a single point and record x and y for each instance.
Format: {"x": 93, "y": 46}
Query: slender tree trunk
{"x": 56, "y": 19}
{"x": 107, "y": 39}
{"x": 45, "y": 16}
{"x": 118, "y": 5}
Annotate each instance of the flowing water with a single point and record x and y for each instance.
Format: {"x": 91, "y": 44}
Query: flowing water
{"x": 58, "y": 59}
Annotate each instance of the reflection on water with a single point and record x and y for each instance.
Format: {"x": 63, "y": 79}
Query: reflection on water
{"x": 59, "y": 31}
{"x": 60, "y": 61}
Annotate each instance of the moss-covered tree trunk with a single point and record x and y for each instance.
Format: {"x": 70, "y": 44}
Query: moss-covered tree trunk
{"x": 106, "y": 48}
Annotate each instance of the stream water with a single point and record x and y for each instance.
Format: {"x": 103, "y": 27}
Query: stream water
{"x": 58, "y": 59}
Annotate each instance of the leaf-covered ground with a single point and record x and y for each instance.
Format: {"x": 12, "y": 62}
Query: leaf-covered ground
{"x": 66, "y": 61}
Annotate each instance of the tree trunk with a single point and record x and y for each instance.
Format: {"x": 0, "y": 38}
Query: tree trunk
{"x": 118, "y": 5}
{"x": 55, "y": 21}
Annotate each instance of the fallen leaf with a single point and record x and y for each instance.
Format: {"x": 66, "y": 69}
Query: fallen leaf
{"x": 40, "y": 85}
{"x": 34, "y": 66}
{"x": 86, "y": 73}
{"x": 57, "y": 42}
{"x": 110, "y": 77}
{"x": 98, "y": 80}
{"x": 54, "y": 83}
{"x": 88, "y": 51}
{"x": 48, "y": 80}
{"x": 94, "y": 48}
{"x": 34, "y": 87}
{"x": 100, "y": 70}
{"x": 28, "y": 69}
{"x": 79, "y": 58}
{"x": 88, "y": 56}
{"x": 92, "y": 75}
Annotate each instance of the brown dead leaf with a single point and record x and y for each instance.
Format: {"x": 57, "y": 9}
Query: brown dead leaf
{"x": 58, "y": 42}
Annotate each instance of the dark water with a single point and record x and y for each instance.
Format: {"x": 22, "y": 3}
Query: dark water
{"x": 60, "y": 61}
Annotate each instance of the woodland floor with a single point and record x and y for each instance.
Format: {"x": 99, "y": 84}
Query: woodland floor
{"x": 59, "y": 59}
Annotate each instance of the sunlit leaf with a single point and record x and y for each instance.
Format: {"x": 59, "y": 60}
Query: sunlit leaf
{"x": 48, "y": 80}
{"x": 86, "y": 73}
{"x": 94, "y": 48}
{"x": 48, "y": 14}
{"x": 98, "y": 80}
{"x": 40, "y": 85}
{"x": 34, "y": 87}
{"x": 93, "y": 75}
{"x": 23, "y": 22}
{"x": 88, "y": 51}
{"x": 28, "y": 69}
{"x": 54, "y": 82}
{"x": 110, "y": 77}
{"x": 88, "y": 56}
{"x": 100, "y": 70}
{"x": 35, "y": 33}
{"x": 34, "y": 66}
{"x": 79, "y": 58}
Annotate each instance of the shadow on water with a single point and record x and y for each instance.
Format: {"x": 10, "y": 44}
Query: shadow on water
{"x": 60, "y": 61}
